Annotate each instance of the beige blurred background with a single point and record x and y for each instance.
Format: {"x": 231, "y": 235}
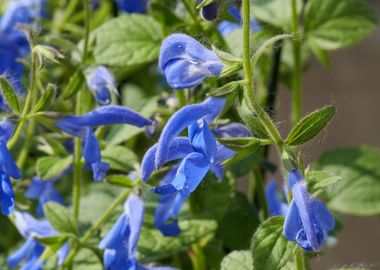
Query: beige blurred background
{"x": 353, "y": 86}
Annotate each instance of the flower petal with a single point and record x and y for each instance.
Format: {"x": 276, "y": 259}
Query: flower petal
{"x": 101, "y": 83}
{"x": 22, "y": 253}
{"x": 134, "y": 209}
{"x": 275, "y": 205}
{"x": 6, "y": 130}
{"x": 323, "y": 214}
{"x": 202, "y": 139}
{"x": 233, "y": 130}
{"x": 179, "y": 148}
{"x": 183, "y": 118}
{"x": 222, "y": 153}
{"x": 117, "y": 234}
{"x": 8, "y": 162}
{"x": 91, "y": 149}
{"x": 99, "y": 170}
{"x": 292, "y": 223}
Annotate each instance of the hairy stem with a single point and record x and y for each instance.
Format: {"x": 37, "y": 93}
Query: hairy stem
{"x": 300, "y": 260}
{"x": 297, "y": 71}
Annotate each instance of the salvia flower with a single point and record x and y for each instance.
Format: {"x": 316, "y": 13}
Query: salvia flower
{"x": 101, "y": 83}
{"x": 31, "y": 251}
{"x": 10, "y": 52}
{"x": 82, "y": 126}
{"x": 186, "y": 63}
{"x": 44, "y": 191}
{"x": 308, "y": 220}
{"x": 132, "y": 6}
{"x": 120, "y": 243}
{"x": 198, "y": 154}
{"x": 276, "y": 206}
{"x": 232, "y": 130}
{"x": 8, "y": 168}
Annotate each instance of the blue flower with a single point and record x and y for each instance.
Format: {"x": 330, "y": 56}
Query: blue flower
{"x": 186, "y": 63}
{"x": 8, "y": 168}
{"x": 308, "y": 220}
{"x": 82, "y": 126}
{"x": 198, "y": 154}
{"x": 276, "y": 206}
{"x": 121, "y": 241}
{"x": 31, "y": 250}
{"x": 21, "y": 12}
{"x": 43, "y": 191}
{"x": 101, "y": 83}
{"x": 232, "y": 130}
{"x": 132, "y": 6}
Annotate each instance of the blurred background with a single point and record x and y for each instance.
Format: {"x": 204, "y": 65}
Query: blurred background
{"x": 352, "y": 86}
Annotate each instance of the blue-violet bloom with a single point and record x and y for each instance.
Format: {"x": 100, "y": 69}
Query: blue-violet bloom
{"x": 8, "y": 168}
{"x": 186, "y": 63}
{"x": 132, "y": 6}
{"x": 101, "y": 83}
{"x": 232, "y": 130}
{"x": 209, "y": 12}
{"x": 31, "y": 250}
{"x": 276, "y": 206}
{"x": 198, "y": 154}
{"x": 308, "y": 220}
{"x": 82, "y": 126}
{"x": 44, "y": 191}
{"x": 120, "y": 243}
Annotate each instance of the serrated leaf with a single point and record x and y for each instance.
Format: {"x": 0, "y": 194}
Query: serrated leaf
{"x": 74, "y": 84}
{"x": 120, "y": 181}
{"x": 332, "y": 24}
{"x": 358, "y": 191}
{"x": 46, "y": 99}
{"x": 310, "y": 126}
{"x": 60, "y": 218}
{"x": 128, "y": 40}
{"x": 270, "y": 249}
{"x": 51, "y": 167}
{"x": 9, "y": 94}
{"x": 237, "y": 260}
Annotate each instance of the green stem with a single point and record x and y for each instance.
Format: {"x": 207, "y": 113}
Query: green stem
{"x": 97, "y": 225}
{"x": 190, "y": 10}
{"x": 69, "y": 10}
{"x": 197, "y": 257}
{"x": 297, "y": 71}
{"x": 119, "y": 200}
{"x": 181, "y": 97}
{"x": 252, "y": 102}
{"x": 77, "y": 146}
{"x": 300, "y": 260}
{"x": 28, "y": 103}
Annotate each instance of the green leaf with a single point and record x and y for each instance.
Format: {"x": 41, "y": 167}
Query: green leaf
{"x": 53, "y": 240}
{"x": 241, "y": 143}
{"x": 319, "y": 181}
{"x": 87, "y": 260}
{"x": 60, "y": 218}
{"x": 334, "y": 24}
{"x": 251, "y": 120}
{"x": 51, "y": 167}
{"x": 226, "y": 89}
{"x": 73, "y": 85}
{"x": 9, "y": 94}
{"x": 240, "y": 212}
{"x": 276, "y": 12}
{"x": 120, "y": 181}
{"x": 358, "y": 191}
{"x": 46, "y": 99}
{"x": 128, "y": 40}
{"x": 153, "y": 245}
{"x": 237, "y": 260}
{"x": 119, "y": 157}
{"x": 270, "y": 250}
{"x": 310, "y": 126}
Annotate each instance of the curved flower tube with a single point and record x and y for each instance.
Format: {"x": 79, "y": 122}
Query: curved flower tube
{"x": 82, "y": 126}
{"x": 101, "y": 83}
{"x": 121, "y": 241}
{"x": 31, "y": 250}
{"x": 44, "y": 191}
{"x": 186, "y": 63}
{"x": 308, "y": 220}
{"x": 183, "y": 118}
{"x": 232, "y": 130}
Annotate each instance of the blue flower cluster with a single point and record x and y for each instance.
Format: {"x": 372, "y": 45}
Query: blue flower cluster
{"x": 199, "y": 153}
